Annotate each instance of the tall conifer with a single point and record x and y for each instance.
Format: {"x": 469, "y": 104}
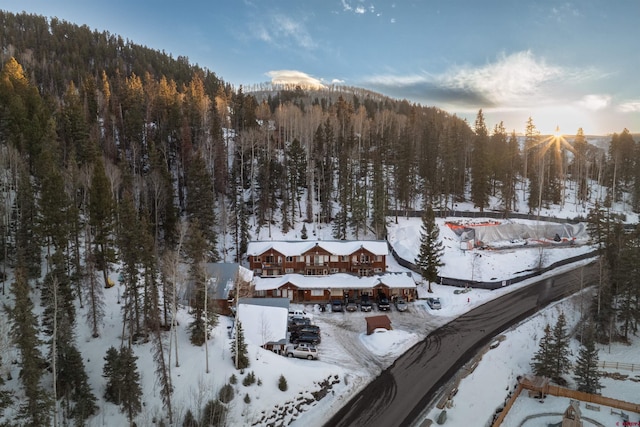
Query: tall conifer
{"x": 586, "y": 372}
{"x": 431, "y": 249}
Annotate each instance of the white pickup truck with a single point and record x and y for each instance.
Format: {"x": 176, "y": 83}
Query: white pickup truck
{"x": 302, "y": 351}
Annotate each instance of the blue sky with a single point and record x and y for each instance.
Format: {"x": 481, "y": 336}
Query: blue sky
{"x": 566, "y": 64}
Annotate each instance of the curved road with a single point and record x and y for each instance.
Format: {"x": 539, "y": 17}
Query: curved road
{"x": 399, "y": 395}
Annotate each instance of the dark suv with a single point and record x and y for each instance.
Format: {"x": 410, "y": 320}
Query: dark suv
{"x": 295, "y": 322}
{"x": 314, "y": 329}
{"x": 383, "y": 302}
{"x": 308, "y": 337}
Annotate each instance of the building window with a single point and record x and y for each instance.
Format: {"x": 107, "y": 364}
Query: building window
{"x": 288, "y": 270}
{"x": 317, "y": 292}
{"x": 334, "y": 258}
{"x": 364, "y": 258}
{"x": 377, "y": 270}
{"x": 269, "y": 259}
{"x": 257, "y": 272}
{"x": 344, "y": 258}
{"x": 289, "y": 259}
{"x": 257, "y": 259}
{"x": 334, "y": 270}
{"x": 378, "y": 258}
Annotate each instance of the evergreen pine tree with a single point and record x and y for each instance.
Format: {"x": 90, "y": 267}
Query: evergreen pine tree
{"x": 6, "y": 397}
{"x": 190, "y": 420}
{"x": 101, "y": 214}
{"x": 602, "y": 307}
{"x": 378, "y": 198}
{"x": 73, "y": 383}
{"x": 111, "y": 371}
{"x": 431, "y": 248}
{"x": 200, "y": 204}
{"x": 586, "y": 372}
{"x": 213, "y": 414}
{"x": 34, "y": 411}
{"x": 282, "y": 383}
{"x": 598, "y": 226}
{"x": 195, "y": 249}
{"x": 543, "y": 358}
{"x": 560, "y": 349}
{"x": 130, "y": 246}
{"x": 131, "y": 397}
{"x": 239, "y": 350}
{"x": 28, "y": 244}
{"x": 480, "y": 165}
{"x": 303, "y": 232}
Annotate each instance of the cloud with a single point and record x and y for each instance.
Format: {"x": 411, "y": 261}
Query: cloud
{"x": 506, "y": 81}
{"x": 358, "y": 9}
{"x": 630, "y": 107}
{"x": 294, "y": 77}
{"x": 595, "y": 102}
{"x": 511, "y": 81}
{"x": 564, "y": 12}
{"x": 282, "y": 31}
{"x": 346, "y": 6}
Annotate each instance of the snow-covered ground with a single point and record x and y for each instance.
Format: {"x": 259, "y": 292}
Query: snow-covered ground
{"x": 349, "y": 359}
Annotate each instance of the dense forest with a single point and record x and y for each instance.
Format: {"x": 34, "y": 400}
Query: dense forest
{"x": 112, "y": 152}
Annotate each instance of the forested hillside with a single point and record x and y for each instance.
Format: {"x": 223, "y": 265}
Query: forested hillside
{"x": 112, "y": 152}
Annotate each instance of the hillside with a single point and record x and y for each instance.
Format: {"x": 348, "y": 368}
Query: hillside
{"x": 123, "y": 165}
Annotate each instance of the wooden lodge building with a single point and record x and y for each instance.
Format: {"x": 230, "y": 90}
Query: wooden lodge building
{"x": 317, "y": 257}
{"x": 321, "y": 271}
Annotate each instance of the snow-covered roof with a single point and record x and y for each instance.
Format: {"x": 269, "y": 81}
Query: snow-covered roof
{"x": 263, "y": 323}
{"x": 221, "y": 277}
{"x": 335, "y": 247}
{"x": 336, "y": 281}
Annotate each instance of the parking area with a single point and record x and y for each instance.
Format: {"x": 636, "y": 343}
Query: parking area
{"x": 341, "y": 333}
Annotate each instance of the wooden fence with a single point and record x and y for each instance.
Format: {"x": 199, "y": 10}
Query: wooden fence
{"x": 555, "y": 390}
{"x": 508, "y": 406}
{"x": 592, "y": 398}
{"x": 633, "y": 367}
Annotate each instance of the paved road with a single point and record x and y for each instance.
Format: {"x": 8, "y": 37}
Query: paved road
{"x": 400, "y": 393}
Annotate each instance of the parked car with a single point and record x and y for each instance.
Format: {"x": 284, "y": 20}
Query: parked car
{"x": 298, "y": 321}
{"x": 298, "y": 313}
{"x": 351, "y": 305}
{"x": 365, "y": 304}
{"x": 315, "y": 329}
{"x": 336, "y": 305}
{"x": 383, "y": 302}
{"x": 302, "y": 351}
{"x": 305, "y": 337}
{"x": 434, "y": 303}
{"x": 401, "y": 304}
